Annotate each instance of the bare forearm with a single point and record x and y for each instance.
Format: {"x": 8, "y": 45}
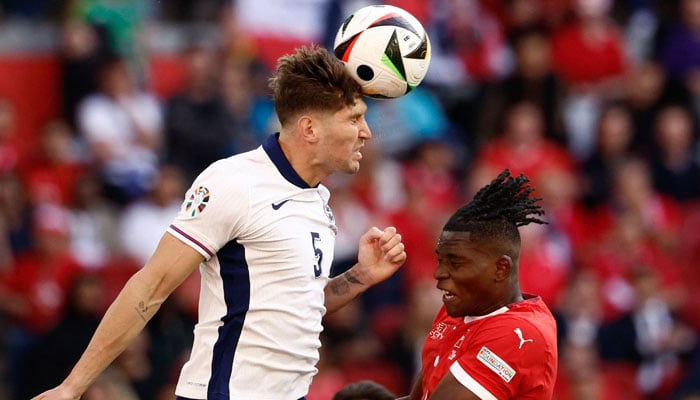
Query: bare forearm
{"x": 381, "y": 253}
{"x": 343, "y": 289}
{"x": 123, "y": 321}
{"x": 416, "y": 390}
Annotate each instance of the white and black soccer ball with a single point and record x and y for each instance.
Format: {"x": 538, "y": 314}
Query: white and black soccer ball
{"x": 385, "y": 48}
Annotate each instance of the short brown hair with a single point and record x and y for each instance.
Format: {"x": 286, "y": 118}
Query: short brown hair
{"x": 311, "y": 79}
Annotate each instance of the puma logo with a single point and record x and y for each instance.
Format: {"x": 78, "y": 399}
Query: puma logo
{"x": 520, "y": 336}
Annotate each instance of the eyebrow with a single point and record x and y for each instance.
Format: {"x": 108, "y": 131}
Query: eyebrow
{"x": 355, "y": 115}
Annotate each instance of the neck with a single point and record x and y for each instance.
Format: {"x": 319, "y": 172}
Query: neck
{"x": 514, "y": 297}
{"x": 301, "y": 160}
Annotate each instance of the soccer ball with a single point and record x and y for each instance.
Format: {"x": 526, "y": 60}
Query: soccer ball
{"x": 385, "y": 49}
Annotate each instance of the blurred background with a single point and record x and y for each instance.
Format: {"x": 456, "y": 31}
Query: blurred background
{"x": 109, "y": 109}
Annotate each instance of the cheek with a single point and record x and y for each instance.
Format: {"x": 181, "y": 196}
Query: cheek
{"x": 343, "y": 143}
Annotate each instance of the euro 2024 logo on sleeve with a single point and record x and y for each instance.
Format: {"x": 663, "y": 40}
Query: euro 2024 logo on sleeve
{"x": 197, "y": 201}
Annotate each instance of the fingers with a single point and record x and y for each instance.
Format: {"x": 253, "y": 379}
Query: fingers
{"x": 392, "y": 245}
{"x": 396, "y": 255}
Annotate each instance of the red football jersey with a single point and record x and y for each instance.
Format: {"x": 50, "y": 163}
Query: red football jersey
{"x": 508, "y": 354}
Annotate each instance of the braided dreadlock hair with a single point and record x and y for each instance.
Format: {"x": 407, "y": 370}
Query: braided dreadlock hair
{"x": 498, "y": 209}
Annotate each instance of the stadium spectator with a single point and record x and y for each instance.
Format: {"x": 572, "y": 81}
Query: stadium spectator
{"x": 65, "y": 342}
{"x": 53, "y": 170}
{"x": 124, "y": 23}
{"x": 92, "y": 223}
{"x": 649, "y": 336}
{"x": 33, "y": 290}
{"x": 521, "y": 146}
{"x": 122, "y": 126}
{"x": 15, "y": 218}
{"x": 83, "y": 48}
{"x": 675, "y": 170}
{"x": 679, "y": 47}
{"x": 648, "y": 89}
{"x": 248, "y": 100}
{"x": 532, "y": 80}
{"x": 589, "y": 57}
{"x": 637, "y": 228}
{"x": 432, "y": 190}
{"x": 353, "y": 350}
{"x": 613, "y": 145}
{"x": 141, "y": 223}
{"x": 198, "y": 127}
{"x": 552, "y": 250}
{"x": 470, "y": 33}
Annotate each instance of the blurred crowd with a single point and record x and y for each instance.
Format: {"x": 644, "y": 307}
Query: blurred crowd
{"x": 597, "y": 101}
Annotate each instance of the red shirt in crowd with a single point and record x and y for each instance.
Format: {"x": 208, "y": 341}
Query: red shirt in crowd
{"x": 42, "y": 286}
{"x": 580, "y": 60}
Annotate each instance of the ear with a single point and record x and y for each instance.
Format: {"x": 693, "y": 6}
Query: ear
{"x": 504, "y": 266}
{"x": 307, "y": 128}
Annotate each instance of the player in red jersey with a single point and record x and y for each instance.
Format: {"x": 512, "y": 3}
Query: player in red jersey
{"x": 489, "y": 340}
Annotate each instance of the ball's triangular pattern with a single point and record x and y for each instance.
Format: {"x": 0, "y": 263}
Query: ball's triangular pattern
{"x": 421, "y": 52}
{"x": 342, "y": 51}
{"x": 395, "y": 20}
{"x": 346, "y": 23}
{"x": 392, "y": 56}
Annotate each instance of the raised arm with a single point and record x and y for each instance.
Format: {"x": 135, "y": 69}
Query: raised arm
{"x": 381, "y": 253}
{"x": 136, "y": 304}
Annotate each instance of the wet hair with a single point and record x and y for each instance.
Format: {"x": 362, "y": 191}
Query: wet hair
{"x": 364, "y": 390}
{"x": 498, "y": 209}
{"x": 311, "y": 79}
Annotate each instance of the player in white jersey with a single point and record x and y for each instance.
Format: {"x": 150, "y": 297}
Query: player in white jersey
{"x": 259, "y": 228}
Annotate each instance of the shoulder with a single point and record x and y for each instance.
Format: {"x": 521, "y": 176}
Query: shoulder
{"x": 528, "y": 328}
{"x": 534, "y": 314}
{"x": 233, "y": 180}
{"x": 238, "y": 168}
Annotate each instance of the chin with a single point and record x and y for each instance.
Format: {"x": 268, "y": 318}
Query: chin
{"x": 452, "y": 312}
{"x": 353, "y": 168}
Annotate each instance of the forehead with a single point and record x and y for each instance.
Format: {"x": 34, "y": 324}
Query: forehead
{"x": 454, "y": 241}
{"x": 359, "y": 107}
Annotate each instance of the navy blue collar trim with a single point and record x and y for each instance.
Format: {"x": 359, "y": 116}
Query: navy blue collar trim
{"x": 274, "y": 151}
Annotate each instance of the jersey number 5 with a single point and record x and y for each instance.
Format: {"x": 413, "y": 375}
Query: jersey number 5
{"x": 318, "y": 253}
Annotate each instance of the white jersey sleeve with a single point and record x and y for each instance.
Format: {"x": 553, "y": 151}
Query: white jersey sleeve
{"x": 214, "y": 210}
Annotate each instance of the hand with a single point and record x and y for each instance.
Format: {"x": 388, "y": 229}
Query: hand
{"x": 57, "y": 393}
{"x": 380, "y": 255}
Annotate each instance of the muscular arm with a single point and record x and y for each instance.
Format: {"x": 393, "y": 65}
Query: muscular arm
{"x": 381, "y": 254}
{"x": 136, "y": 304}
{"x": 449, "y": 388}
{"x": 417, "y": 389}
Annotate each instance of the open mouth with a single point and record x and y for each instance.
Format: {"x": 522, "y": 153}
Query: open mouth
{"x": 448, "y": 296}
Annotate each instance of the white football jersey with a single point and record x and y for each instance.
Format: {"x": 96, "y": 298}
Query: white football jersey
{"x": 267, "y": 238}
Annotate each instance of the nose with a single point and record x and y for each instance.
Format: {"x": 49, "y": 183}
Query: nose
{"x": 365, "y": 132}
{"x": 440, "y": 272}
